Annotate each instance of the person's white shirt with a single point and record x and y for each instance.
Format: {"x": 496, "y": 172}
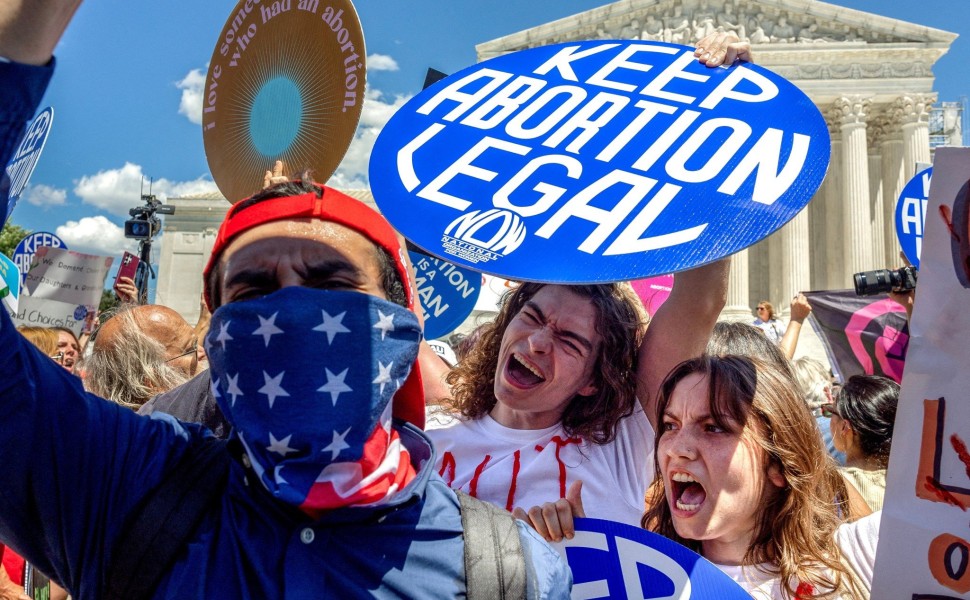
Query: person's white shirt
{"x": 857, "y": 540}
{"x": 522, "y": 468}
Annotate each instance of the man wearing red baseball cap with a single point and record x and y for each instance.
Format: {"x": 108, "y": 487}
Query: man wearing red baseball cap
{"x": 330, "y": 492}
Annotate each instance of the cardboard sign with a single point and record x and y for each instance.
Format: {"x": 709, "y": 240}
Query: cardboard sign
{"x": 598, "y": 161}
{"x": 286, "y": 81}
{"x": 9, "y": 282}
{"x": 448, "y": 293}
{"x": 924, "y": 545}
{"x": 619, "y": 561}
{"x": 23, "y": 254}
{"x": 25, "y": 158}
{"x": 911, "y": 214}
{"x": 653, "y": 291}
{"x": 37, "y": 312}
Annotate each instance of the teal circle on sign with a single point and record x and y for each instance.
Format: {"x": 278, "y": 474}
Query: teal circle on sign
{"x": 274, "y": 120}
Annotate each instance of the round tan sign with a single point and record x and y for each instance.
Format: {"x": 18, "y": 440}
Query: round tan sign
{"x": 286, "y": 82}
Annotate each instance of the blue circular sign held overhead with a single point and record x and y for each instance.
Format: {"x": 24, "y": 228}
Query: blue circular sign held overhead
{"x": 22, "y": 163}
{"x": 448, "y": 293}
{"x": 911, "y": 214}
{"x": 619, "y": 561}
{"x": 598, "y": 161}
{"x": 23, "y": 254}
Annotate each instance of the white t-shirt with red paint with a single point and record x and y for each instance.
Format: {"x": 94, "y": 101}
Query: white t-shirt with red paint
{"x": 529, "y": 467}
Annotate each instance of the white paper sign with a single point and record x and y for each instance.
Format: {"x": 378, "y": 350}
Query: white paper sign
{"x": 924, "y": 548}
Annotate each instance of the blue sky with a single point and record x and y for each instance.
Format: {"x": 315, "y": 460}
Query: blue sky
{"x": 126, "y": 97}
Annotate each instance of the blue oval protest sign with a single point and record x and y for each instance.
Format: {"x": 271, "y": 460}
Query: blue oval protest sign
{"x": 448, "y": 293}
{"x": 911, "y": 214}
{"x": 24, "y": 160}
{"x": 598, "y": 161}
{"x": 23, "y": 254}
{"x": 619, "y": 561}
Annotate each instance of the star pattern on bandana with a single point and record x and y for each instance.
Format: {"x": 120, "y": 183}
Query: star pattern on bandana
{"x": 273, "y": 387}
{"x": 224, "y": 336}
{"x": 363, "y": 366}
{"x": 332, "y": 325}
{"x": 385, "y": 323}
{"x": 384, "y": 375}
{"x": 268, "y": 328}
{"x": 234, "y": 390}
{"x": 281, "y": 447}
{"x": 338, "y": 443}
{"x": 335, "y": 385}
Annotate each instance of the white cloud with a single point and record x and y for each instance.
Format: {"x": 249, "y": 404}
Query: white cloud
{"x": 352, "y": 173}
{"x": 45, "y": 195}
{"x": 117, "y": 190}
{"x": 191, "y": 103}
{"x": 381, "y": 62}
{"x": 95, "y": 235}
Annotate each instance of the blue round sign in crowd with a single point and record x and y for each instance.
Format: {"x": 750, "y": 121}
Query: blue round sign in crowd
{"x": 620, "y": 561}
{"x": 911, "y": 215}
{"x": 448, "y": 293}
{"x": 23, "y": 254}
{"x": 598, "y": 161}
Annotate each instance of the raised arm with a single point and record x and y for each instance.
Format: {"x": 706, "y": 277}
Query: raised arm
{"x": 800, "y": 309}
{"x": 681, "y": 328}
{"x": 30, "y": 29}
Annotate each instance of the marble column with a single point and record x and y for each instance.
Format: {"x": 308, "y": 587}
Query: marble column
{"x": 914, "y": 114}
{"x": 892, "y": 186}
{"x": 794, "y": 260}
{"x": 737, "y": 307}
{"x": 832, "y": 196}
{"x": 856, "y": 227}
{"x": 877, "y": 210}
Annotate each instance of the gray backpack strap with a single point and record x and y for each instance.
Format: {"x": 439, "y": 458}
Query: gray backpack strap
{"x": 494, "y": 560}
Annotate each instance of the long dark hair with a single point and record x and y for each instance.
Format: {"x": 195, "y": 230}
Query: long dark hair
{"x": 868, "y": 404}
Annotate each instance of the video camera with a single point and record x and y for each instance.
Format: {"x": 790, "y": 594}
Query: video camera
{"x": 869, "y": 283}
{"x": 144, "y": 225}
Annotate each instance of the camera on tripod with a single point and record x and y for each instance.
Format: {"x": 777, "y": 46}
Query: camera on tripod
{"x": 869, "y": 283}
{"x": 144, "y": 224}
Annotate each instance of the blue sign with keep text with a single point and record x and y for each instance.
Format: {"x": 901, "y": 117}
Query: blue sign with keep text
{"x": 21, "y": 167}
{"x": 911, "y": 214}
{"x": 448, "y": 293}
{"x": 619, "y": 561}
{"x": 598, "y": 161}
{"x": 23, "y": 254}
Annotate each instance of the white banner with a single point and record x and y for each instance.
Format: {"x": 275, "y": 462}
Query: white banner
{"x": 924, "y": 548}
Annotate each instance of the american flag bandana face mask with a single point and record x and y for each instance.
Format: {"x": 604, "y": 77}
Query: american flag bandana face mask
{"x": 306, "y": 378}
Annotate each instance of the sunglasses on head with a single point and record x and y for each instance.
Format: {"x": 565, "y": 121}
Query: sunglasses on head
{"x": 828, "y": 409}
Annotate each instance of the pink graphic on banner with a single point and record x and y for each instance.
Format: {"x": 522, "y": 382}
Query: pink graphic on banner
{"x": 889, "y": 345}
{"x": 653, "y": 291}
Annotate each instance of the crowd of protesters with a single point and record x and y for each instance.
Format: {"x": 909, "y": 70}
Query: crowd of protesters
{"x": 570, "y": 403}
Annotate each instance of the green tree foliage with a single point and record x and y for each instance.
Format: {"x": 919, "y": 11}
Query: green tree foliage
{"x": 10, "y": 236}
{"x": 108, "y": 301}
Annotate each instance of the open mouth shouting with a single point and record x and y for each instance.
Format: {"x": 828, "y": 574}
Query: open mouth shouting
{"x": 521, "y": 373}
{"x": 687, "y": 494}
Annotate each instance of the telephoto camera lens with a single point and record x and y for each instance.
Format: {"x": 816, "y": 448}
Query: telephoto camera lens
{"x": 870, "y": 283}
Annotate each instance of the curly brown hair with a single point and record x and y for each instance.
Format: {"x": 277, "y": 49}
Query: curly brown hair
{"x": 795, "y": 529}
{"x": 620, "y": 322}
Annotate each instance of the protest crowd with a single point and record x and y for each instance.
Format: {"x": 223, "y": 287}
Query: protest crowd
{"x": 470, "y": 463}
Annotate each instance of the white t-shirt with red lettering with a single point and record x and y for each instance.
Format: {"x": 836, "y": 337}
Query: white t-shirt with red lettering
{"x": 529, "y": 467}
